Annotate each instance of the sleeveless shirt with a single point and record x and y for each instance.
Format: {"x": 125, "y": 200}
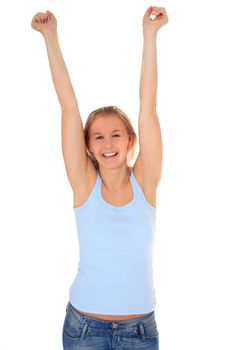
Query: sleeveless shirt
{"x": 115, "y": 272}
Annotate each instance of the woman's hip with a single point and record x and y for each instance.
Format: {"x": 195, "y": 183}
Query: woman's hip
{"x": 85, "y": 332}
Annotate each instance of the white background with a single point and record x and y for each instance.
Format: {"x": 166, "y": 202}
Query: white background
{"x": 101, "y": 43}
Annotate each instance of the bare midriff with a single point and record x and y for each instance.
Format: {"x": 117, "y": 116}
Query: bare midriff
{"x": 113, "y": 317}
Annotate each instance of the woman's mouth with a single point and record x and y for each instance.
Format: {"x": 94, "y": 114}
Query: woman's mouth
{"x": 109, "y": 155}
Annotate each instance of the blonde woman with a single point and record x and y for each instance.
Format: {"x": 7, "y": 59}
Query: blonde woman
{"x": 112, "y": 298}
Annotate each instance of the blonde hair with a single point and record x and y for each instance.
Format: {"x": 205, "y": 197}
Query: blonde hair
{"x": 106, "y": 112}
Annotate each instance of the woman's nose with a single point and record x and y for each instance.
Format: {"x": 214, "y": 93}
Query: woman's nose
{"x": 108, "y": 142}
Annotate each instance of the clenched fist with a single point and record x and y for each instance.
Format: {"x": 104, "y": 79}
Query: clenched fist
{"x": 44, "y": 22}
{"x": 152, "y": 25}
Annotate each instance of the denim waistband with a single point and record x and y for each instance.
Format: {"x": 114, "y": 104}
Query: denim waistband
{"x": 109, "y": 324}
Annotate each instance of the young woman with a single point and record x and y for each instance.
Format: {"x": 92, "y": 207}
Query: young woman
{"x": 112, "y": 299}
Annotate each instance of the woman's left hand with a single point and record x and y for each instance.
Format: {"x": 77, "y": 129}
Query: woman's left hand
{"x": 151, "y": 26}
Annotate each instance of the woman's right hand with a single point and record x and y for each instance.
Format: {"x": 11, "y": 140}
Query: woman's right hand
{"x": 44, "y": 22}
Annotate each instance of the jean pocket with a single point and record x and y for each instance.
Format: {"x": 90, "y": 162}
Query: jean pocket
{"x": 150, "y": 330}
{"x": 75, "y": 328}
{"x": 72, "y": 326}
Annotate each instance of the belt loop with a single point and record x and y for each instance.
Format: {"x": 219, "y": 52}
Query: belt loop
{"x": 84, "y": 330}
{"x": 67, "y": 305}
{"x": 142, "y": 331}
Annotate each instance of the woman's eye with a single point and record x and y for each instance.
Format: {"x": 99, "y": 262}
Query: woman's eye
{"x": 102, "y": 136}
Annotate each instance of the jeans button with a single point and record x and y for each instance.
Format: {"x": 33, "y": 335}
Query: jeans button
{"x": 115, "y": 325}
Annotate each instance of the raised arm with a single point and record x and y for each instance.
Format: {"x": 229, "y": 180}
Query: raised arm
{"x": 150, "y": 139}
{"x": 73, "y": 143}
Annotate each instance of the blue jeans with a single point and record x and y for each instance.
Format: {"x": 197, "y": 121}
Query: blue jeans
{"x": 90, "y": 333}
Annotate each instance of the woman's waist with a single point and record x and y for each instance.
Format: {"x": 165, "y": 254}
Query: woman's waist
{"x": 113, "y": 317}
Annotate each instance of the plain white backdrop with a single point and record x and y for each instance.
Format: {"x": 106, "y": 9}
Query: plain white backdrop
{"x": 101, "y": 43}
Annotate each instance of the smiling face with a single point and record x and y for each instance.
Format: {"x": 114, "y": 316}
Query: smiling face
{"x": 109, "y": 134}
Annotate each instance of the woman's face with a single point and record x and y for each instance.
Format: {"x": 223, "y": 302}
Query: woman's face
{"x": 109, "y": 134}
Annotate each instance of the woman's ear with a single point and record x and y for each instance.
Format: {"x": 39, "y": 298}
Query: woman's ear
{"x": 131, "y": 139}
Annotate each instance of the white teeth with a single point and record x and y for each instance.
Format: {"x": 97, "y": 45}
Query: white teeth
{"x": 109, "y": 154}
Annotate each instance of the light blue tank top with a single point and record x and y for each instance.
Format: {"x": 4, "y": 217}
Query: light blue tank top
{"x": 115, "y": 273}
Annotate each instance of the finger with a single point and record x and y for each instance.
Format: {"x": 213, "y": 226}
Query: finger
{"x": 148, "y": 11}
{"x": 50, "y": 13}
{"x": 39, "y": 17}
{"x": 159, "y": 11}
{"x": 40, "y": 14}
